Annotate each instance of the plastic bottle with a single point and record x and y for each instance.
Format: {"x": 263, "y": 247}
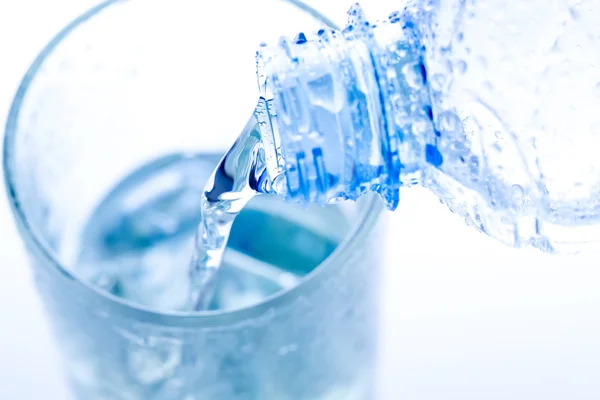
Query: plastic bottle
{"x": 493, "y": 105}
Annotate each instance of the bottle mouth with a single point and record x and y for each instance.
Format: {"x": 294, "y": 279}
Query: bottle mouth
{"x": 304, "y": 145}
{"x": 326, "y": 113}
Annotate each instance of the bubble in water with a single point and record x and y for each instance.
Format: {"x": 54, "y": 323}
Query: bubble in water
{"x": 461, "y": 67}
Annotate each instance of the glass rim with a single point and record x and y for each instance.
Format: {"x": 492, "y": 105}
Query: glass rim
{"x": 365, "y": 221}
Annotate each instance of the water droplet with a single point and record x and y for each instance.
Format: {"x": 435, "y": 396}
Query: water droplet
{"x": 438, "y": 81}
{"x": 413, "y": 75}
{"x": 461, "y": 67}
{"x": 598, "y": 89}
{"x": 497, "y": 147}
{"x": 449, "y": 66}
{"x": 400, "y": 51}
{"x": 421, "y": 127}
{"x": 433, "y": 155}
{"x": 482, "y": 61}
{"x": 300, "y": 38}
{"x": 394, "y": 17}
{"x": 575, "y": 11}
{"x": 474, "y": 165}
{"x": 542, "y": 243}
{"x": 449, "y": 122}
{"x": 428, "y": 112}
{"x": 469, "y": 221}
{"x": 499, "y": 135}
{"x": 517, "y": 191}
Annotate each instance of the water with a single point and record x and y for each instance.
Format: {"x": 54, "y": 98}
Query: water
{"x": 316, "y": 343}
{"x": 138, "y": 242}
{"x": 235, "y": 181}
{"x": 244, "y": 248}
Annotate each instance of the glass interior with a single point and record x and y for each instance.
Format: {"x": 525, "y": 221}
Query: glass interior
{"x": 99, "y": 104}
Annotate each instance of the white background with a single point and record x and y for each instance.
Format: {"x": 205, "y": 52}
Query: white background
{"x": 464, "y": 318}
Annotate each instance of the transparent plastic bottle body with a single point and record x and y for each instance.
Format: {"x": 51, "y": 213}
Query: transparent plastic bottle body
{"x": 491, "y": 105}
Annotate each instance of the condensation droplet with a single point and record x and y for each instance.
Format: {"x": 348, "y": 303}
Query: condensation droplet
{"x": 518, "y": 195}
{"x": 438, "y": 81}
{"x": 461, "y": 67}
{"x": 449, "y": 66}
{"x": 421, "y": 127}
{"x": 497, "y": 147}
{"x": 575, "y": 11}
{"x": 598, "y": 89}
{"x": 412, "y": 75}
{"x": 542, "y": 243}
{"x": 449, "y": 122}
{"x": 482, "y": 61}
{"x": 474, "y": 166}
{"x": 517, "y": 191}
{"x": 499, "y": 135}
{"x": 401, "y": 52}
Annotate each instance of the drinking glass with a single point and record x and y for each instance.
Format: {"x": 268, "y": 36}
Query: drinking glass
{"x": 121, "y": 111}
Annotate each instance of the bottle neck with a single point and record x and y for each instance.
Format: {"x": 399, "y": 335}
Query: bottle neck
{"x": 347, "y": 112}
